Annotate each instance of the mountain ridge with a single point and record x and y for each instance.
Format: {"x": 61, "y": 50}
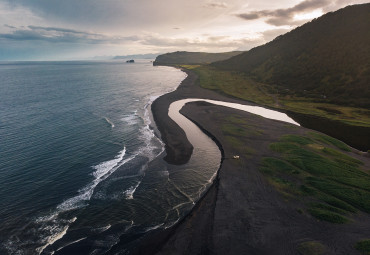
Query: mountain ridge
{"x": 327, "y": 58}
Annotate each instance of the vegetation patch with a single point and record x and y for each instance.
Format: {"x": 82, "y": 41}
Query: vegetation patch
{"x": 355, "y": 197}
{"x": 190, "y": 67}
{"x": 238, "y": 84}
{"x": 327, "y": 208}
{"x": 302, "y": 140}
{"x": 235, "y": 130}
{"x": 363, "y": 246}
{"x": 311, "y": 248}
{"x": 330, "y": 141}
{"x": 316, "y": 172}
{"x": 329, "y": 110}
{"x": 341, "y": 157}
{"x": 327, "y": 215}
{"x": 234, "y": 84}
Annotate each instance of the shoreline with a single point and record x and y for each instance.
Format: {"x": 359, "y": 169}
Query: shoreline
{"x": 194, "y": 233}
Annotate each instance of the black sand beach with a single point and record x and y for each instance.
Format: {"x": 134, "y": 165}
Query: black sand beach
{"x": 241, "y": 213}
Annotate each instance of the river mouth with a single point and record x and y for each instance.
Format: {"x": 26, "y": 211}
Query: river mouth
{"x": 163, "y": 196}
{"x": 205, "y": 149}
{"x": 168, "y": 191}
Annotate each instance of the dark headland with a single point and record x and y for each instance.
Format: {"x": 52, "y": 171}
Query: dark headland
{"x": 292, "y": 191}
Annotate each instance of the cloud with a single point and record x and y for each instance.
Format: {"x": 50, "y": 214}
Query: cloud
{"x": 202, "y": 43}
{"x": 8, "y": 26}
{"x": 216, "y": 5}
{"x": 271, "y": 34}
{"x": 53, "y": 35}
{"x": 281, "y": 17}
{"x": 118, "y": 15}
{"x": 61, "y": 35}
{"x": 58, "y": 29}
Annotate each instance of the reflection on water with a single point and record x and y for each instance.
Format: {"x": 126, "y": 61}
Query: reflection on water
{"x": 184, "y": 123}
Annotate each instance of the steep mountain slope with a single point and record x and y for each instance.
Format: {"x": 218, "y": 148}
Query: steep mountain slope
{"x": 192, "y": 58}
{"x": 327, "y": 58}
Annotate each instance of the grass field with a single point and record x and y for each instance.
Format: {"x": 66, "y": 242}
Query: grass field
{"x": 316, "y": 167}
{"x": 313, "y": 168}
{"x": 363, "y": 246}
{"x": 238, "y": 85}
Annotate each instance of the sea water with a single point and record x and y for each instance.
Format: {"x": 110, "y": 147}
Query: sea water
{"x": 76, "y": 157}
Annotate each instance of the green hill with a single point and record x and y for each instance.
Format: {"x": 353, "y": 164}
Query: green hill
{"x": 327, "y": 59}
{"x": 192, "y": 58}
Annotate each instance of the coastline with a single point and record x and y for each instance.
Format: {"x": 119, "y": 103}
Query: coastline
{"x": 240, "y": 212}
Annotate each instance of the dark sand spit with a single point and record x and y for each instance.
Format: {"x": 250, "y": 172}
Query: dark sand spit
{"x": 241, "y": 213}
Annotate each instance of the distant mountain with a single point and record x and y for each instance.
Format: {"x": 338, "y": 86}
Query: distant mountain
{"x": 137, "y": 56}
{"x": 328, "y": 58}
{"x": 192, "y": 58}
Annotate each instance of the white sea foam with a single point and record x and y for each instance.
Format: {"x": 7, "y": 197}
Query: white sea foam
{"x": 154, "y": 227}
{"x": 56, "y": 228}
{"x": 129, "y": 193}
{"x": 130, "y": 119}
{"x": 79, "y": 240}
{"x": 206, "y": 185}
{"x": 148, "y": 134}
{"x": 102, "y": 229}
{"x": 171, "y": 223}
{"x": 56, "y": 234}
{"x": 182, "y": 192}
{"x": 51, "y": 228}
{"x": 164, "y": 173}
{"x": 102, "y": 171}
{"x": 109, "y": 122}
{"x": 176, "y": 207}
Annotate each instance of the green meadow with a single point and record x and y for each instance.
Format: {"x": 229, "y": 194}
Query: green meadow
{"x": 316, "y": 167}
{"x": 239, "y": 85}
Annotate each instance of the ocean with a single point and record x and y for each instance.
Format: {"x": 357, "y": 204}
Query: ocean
{"x": 79, "y": 168}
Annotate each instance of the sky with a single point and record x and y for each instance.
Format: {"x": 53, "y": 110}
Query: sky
{"x": 84, "y": 29}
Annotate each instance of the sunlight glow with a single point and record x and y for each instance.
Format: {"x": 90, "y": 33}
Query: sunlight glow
{"x": 309, "y": 15}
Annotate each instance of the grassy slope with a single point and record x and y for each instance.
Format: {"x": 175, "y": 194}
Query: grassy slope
{"x": 327, "y": 59}
{"x": 193, "y": 58}
{"x": 363, "y": 246}
{"x": 239, "y": 85}
{"x": 313, "y": 168}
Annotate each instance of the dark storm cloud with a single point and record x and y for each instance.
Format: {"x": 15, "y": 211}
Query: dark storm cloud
{"x": 280, "y": 17}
